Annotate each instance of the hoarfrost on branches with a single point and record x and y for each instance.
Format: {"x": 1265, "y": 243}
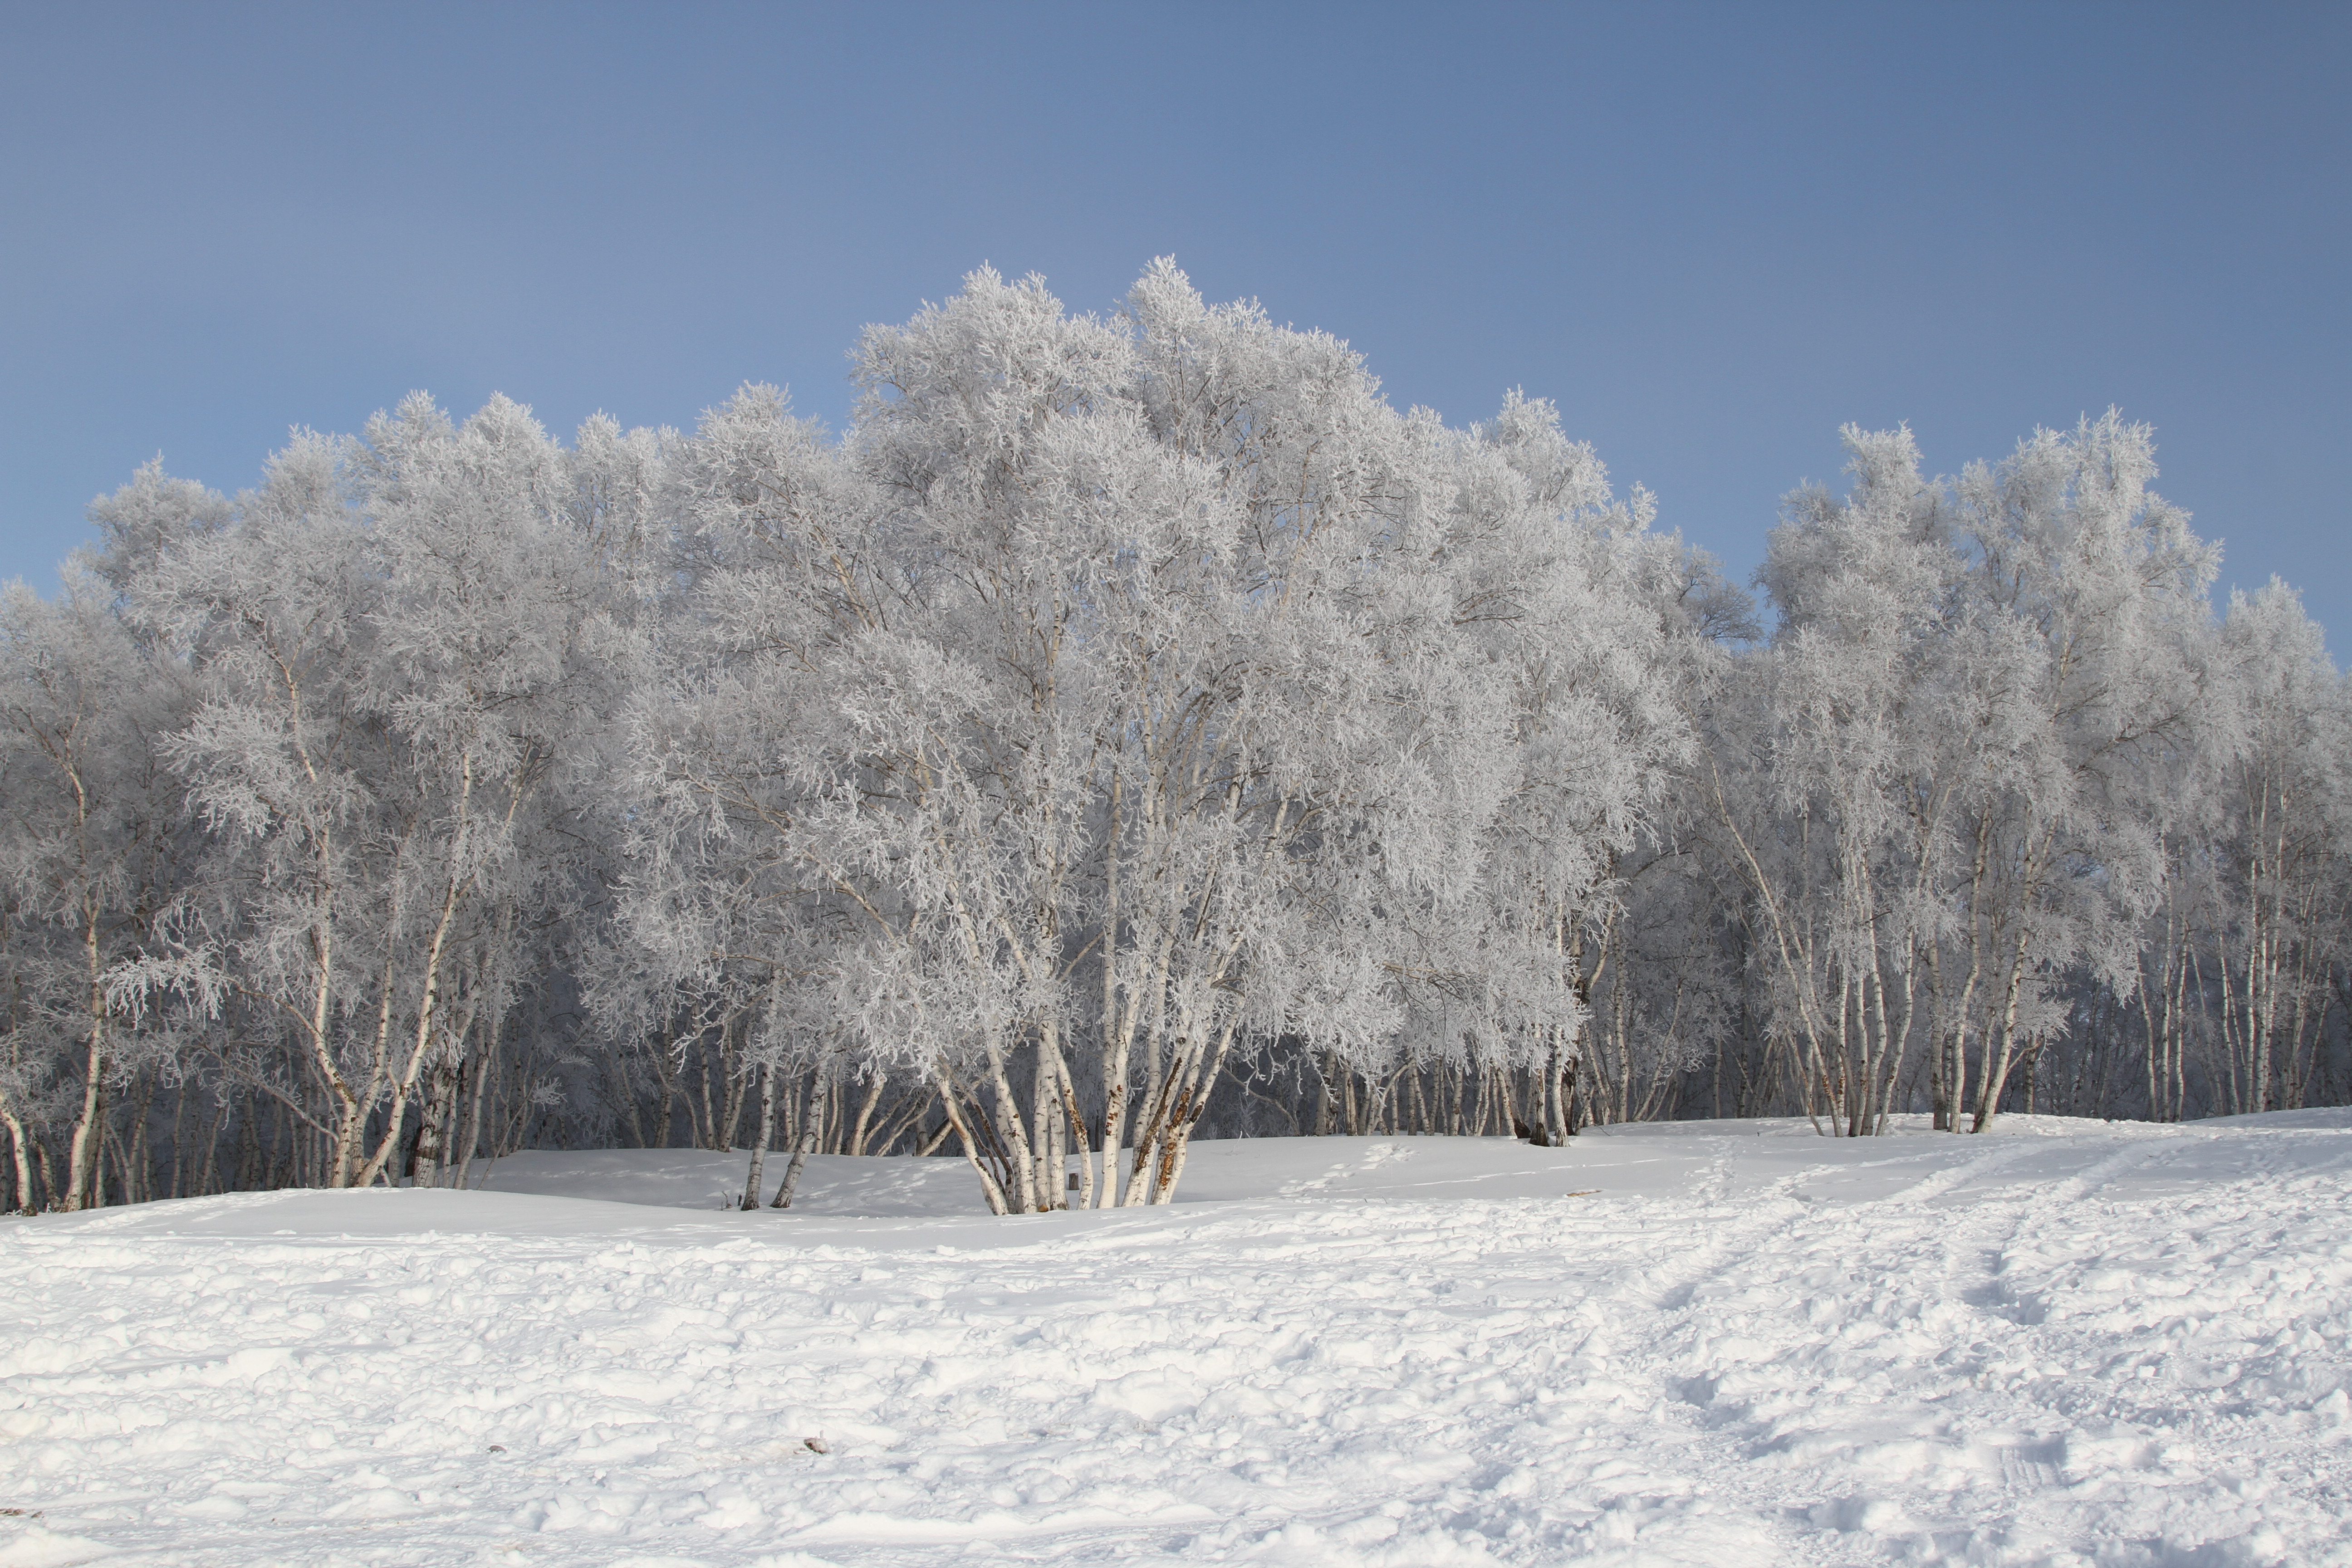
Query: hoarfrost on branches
{"x": 1131, "y": 726}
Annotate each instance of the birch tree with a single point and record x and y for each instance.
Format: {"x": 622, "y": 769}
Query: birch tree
{"x": 391, "y": 643}
{"x": 2102, "y": 584}
{"x": 87, "y": 861}
{"x": 1843, "y": 861}
{"x": 2277, "y": 862}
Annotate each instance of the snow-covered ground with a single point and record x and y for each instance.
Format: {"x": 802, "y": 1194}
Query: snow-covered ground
{"x": 1708, "y": 1344}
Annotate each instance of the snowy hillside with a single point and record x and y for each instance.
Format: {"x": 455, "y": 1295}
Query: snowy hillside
{"x": 1719, "y": 1343}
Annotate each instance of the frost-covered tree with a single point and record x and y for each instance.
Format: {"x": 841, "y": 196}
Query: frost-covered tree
{"x": 1131, "y": 727}
{"x": 88, "y": 868}
{"x": 1828, "y": 790}
{"x": 2096, "y": 592}
{"x": 1962, "y": 728}
{"x": 393, "y": 643}
{"x": 2275, "y": 865}
{"x": 1123, "y": 689}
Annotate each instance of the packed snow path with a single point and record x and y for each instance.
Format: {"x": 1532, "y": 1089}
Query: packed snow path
{"x": 1719, "y": 1343}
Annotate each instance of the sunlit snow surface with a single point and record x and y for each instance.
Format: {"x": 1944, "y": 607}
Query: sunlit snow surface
{"x": 2064, "y": 1343}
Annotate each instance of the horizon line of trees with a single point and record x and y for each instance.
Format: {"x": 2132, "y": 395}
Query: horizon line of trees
{"x": 1131, "y": 728}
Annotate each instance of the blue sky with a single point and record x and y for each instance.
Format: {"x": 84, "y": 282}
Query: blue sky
{"x": 1712, "y": 234}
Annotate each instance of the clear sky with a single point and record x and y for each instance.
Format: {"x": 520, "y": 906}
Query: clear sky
{"x": 1711, "y": 233}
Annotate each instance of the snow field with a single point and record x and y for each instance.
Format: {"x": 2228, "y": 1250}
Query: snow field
{"x": 1719, "y": 1343}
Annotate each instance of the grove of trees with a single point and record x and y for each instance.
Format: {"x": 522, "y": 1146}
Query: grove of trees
{"x": 1132, "y": 728}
